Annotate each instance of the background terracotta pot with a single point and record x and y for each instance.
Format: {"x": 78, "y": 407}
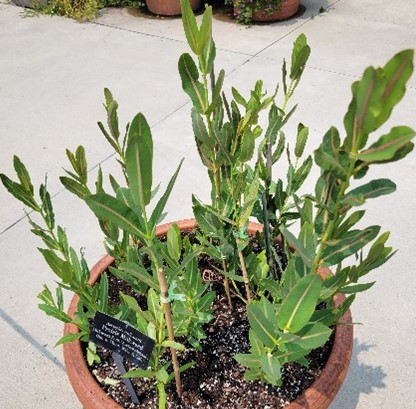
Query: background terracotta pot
{"x": 318, "y": 396}
{"x": 287, "y": 9}
{"x": 169, "y": 7}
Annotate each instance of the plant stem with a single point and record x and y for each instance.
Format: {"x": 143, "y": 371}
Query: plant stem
{"x": 245, "y": 275}
{"x": 227, "y": 285}
{"x": 168, "y": 317}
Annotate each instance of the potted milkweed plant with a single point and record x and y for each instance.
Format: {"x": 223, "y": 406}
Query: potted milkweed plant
{"x": 218, "y": 311}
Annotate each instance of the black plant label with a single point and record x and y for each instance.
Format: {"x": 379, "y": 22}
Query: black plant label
{"x": 119, "y": 336}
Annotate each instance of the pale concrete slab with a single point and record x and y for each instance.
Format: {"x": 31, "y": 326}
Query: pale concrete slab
{"x": 52, "y": 72}
{"x": 345, "y": 44}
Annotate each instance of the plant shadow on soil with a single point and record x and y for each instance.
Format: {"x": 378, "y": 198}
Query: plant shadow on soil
{"x": 361, "y": 378}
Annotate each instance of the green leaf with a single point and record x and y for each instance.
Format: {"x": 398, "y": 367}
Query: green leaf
{"x": 109, "y": 208}
{"x": 249, "y": 200}
{"x": 306, "y": 253}
{"x": 338, "y": 250}
{"x": 301, "y": 138}
{"x": 247, "y": 145}
{"x": 58, "y": 266}
{"x": 23, "y": 175}
{"x": 216, "y": 95}
{"x": 238, "y": 97}
{"x": 55, "y": 313}
{"x": 298, "y": 307}
{"x": 139, "y": 373}
{"x": 375, "y": 188}
{"x": 47, "y": 206}
{"x": 208, "y": 56}
{"x": 396, "y": 73}
{"x": 74, "y": 187}
{"x": 357, "y": 288}
{"x": 189, "y": 74}
{"x": 19, "y": 192}
{"x": 182, "y": 368}
{"x": 205, "y": 32}
{"x": 104, "y": 292}
{"x": 173, "y": 344}
{"x": 329, "y": 156}
{"x": 271, "y": 366}
{"x": 174, "y": 242}
{"x": 69, "y": 338}
{"x": 385, "y": 149}
{"x": 351, "y": 221}
{"x": 139, "y": 156}
{"x": 313, "y": 336}
{"x": 140, "y": 273}
{"x": 190, "y": 26}
{"x": 263, "y": 327}
{"x": 251, "y": 361}
{"x": 300, "y": 55}
{"x": 158, "y": 210}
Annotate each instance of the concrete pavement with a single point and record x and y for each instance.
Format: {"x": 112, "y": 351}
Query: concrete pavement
{"x": 52, "y": 74}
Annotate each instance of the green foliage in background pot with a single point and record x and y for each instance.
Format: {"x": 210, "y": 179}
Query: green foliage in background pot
{"x": 243, "y": 9}
{"x": 282, "y": 296}
{"x": 240, "y": 150}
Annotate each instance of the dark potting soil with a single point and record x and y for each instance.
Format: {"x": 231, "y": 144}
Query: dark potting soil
{"x": 217, "y": 380}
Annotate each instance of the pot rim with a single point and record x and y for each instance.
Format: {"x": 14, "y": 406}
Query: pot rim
{"x": 319, "y": 395}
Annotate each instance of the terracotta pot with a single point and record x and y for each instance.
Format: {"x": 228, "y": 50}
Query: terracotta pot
{"x": 287, "y": 9}
{"x": 318, "y": 396}
{"x": 169, "y": 7}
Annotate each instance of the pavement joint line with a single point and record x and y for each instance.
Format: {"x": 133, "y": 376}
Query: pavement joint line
{"x": 161, "y": 37}
{"x": 26, "y": 335}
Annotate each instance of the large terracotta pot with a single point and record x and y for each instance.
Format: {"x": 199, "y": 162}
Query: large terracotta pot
{"x": 318, "y": 396}
{"x": 169, "y": 7}
{"x": 287, "y": 9}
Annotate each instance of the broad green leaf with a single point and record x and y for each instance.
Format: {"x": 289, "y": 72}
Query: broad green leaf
{"x": 139, "y": 157}
{"x": 264, "y": 328}
{"x": 158, "y": 211}
{"x": 190, "y": 26}
{"x": 23, "y": 175}
{"x": 189, "y": 74}
{"x": 271, "y": 366}
{"x": 81, "y": 164}
{"x": 200, "y": 130}
{"x": 339, "y": 249}
{"x": 388, "y": 145}
{"x": 396, "y": 72}
{"x": 109, "y": 208}
{"x": 313, "y": 336}
{"x": 174, "y": 242}
{"x": 375, "y": 188}
{"x": 298, "y": 307}
{"x": 238, "y": 97}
